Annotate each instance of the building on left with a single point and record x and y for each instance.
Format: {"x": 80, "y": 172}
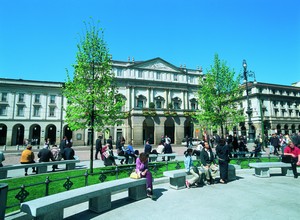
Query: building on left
{"x": 31, "y": 111}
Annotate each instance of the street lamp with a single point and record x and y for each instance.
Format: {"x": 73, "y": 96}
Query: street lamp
{"x": 249, "y": 109}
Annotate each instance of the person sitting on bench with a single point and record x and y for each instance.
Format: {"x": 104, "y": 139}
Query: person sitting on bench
{"x": 292, "y": 155}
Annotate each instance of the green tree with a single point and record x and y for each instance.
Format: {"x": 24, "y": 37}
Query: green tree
{"x": 218, "y": 97}
{"x": 93, "y": 100}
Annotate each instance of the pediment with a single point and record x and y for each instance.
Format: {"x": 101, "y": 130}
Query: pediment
{"x": 157, "y": 64}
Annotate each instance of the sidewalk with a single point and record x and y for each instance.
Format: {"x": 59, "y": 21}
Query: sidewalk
{"x": 246, "y": 198}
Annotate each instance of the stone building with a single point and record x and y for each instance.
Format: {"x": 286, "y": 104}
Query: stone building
{"x": 160, "y": 99}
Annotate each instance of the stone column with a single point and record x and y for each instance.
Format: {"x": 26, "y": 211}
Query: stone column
{"x": 137, "y": 130}
{"x": 179, "y": 130}
{"x": 159, "y": 130}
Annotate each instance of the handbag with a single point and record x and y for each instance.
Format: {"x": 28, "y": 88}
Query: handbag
{"x": 135, "y": 175}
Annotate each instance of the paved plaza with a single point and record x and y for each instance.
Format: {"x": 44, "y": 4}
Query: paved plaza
{"x": 248, "y": 197}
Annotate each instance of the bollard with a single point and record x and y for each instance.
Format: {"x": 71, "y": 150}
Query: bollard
{"x": 3, "y": 198}
{"x": 17, "y": 147}
{"x": 4, "y": 148}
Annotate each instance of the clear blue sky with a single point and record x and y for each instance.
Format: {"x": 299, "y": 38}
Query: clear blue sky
{"x": 38, "y": 38}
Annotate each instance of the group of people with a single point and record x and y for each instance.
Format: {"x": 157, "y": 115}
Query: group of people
{"x": 64, "y": 151}
{"x": 209, "y": 164}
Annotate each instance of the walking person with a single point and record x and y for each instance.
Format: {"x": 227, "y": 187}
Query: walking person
{"x": 191, "y": 169}
{"x": 222, "y": 151}
{"x": 98, "y": 147}
{"x": 274, "y": 141}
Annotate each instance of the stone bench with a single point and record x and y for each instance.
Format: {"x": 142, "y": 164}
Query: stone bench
{"x": 154, "y": 157}
{"x": 130, "y": 159}
{"x": 98, "y": 196}
{"x": 178, "y": 177}
{"x": 263, "y": 169}
{"x": 41, "y": 167}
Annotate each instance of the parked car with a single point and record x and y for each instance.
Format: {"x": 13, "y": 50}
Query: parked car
{"x": 195, "y": 142}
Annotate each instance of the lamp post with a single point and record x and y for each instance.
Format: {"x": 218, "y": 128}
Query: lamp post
{"x": 249, "y": 109}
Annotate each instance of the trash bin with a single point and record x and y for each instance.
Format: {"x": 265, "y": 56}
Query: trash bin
{"x": 3, "y": 198}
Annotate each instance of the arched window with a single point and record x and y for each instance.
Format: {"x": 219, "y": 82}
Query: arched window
{"x": 141, "y": 101}
{"x": 176, "y": 103}
{"x": 159, "y": 102}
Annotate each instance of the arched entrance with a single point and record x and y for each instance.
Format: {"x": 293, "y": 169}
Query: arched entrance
{"x": 170, "y": 128}
{"x": 293, "y": 128}
{"x": 278, "y": 128}
{"x": 68, "y": 132}
{"x": 188, "y": 128}
{"x": 51, "y": 133}
{"x": 3, "y": 134}
{"x": 17, "y": 135}
{"x": 286, "y": 129}
{"x": 148, "y": 130}
{"x": 35, "y": 134}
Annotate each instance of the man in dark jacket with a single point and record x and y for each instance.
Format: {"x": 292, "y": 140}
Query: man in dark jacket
{"x": 68, "y": 153}
{"x": 209, "y": 163}
{"x": 45, "y": 155}
{"x": 274, "y": 141}
{"x": 98, "y": 148}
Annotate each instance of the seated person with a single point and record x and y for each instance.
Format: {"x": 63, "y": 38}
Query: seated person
{"x": 208, "y": 163}
{"x": 143, "y": 170}
{"x": 108, "y": 155}
{"x": 68, "y": 152}
{"x": 292, "y": 155}
{"x": 130, "y": 152}
{"x": 256, "y": 150}
{"x": 148, "y": 147}
{"x": 191, "y": 169}
{"x": 160, "y": 148}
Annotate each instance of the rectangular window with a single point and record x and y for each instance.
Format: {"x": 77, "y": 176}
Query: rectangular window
{"x": 20, "y": 110}
{"x": 158, "y": 75}
{"x": 191, "y": 79}
{"x": 36, "y": 111}
{"x": 119, "y": 72}
{"x": 51, "y": 111}
{"x": 140, "y": 74}
{"x": 140, "y": 104}
{"x": 3, "y": 111}
{"x": 52, "y": 99}
{"x": 175, "y": 77}
{"x": 21, "y": 97}
{"x": 37, "y": 98}
{"x": 193, "y": 106}
{"x": 158, "y": 104}
{"x": 176, "y": 105}
{"x": 4, "y": 97}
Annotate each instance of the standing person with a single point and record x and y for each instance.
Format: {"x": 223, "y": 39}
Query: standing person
{"x": 109, "y": 141}
{"x": 168, "y": 150}
{"x": 45, "y": 155}
{"x": 222, "y": 152}
{"x": 209, "y": 163}
{"x": 191, "y": 169}
{"x": 68, "y": 153}
{"x": 274, "y": 141}
{"x": 143, "y": 170}
{"x": 187, "y": 140}
{"x": 63, "y": 143}
{"x": 27, "y": 157}
{"x": 56, "y": 155}
{"x": 167, "y": 140}
{"x": 120, "y": 148}
{"x": 292, "y": 155}
{"x": 2, "y": 158}
{"x": 98, "y": 148}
